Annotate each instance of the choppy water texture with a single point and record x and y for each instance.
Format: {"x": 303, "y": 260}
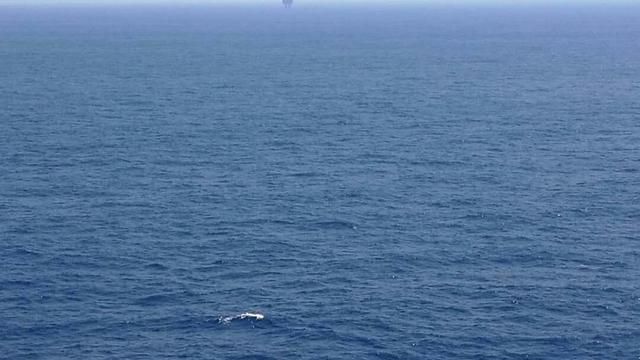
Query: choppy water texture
{"x": 391, "y": 183}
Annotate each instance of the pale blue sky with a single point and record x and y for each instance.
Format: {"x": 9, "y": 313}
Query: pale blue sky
{"x": 309, "y": 2}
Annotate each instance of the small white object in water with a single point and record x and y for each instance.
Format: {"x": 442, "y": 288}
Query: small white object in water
{"x": 256, "y": 316}
{"x": 247, "y": 315}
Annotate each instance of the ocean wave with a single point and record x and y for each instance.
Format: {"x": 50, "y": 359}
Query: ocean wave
{"x": 246, "y": 316}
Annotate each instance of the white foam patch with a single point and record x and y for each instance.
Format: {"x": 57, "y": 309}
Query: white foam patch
{"x": 246, "y": 315}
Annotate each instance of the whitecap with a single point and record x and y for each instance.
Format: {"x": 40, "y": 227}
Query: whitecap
{"x": 244, "y": 316}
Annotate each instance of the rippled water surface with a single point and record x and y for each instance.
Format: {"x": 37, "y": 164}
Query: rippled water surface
{"x": 390, "y": 183}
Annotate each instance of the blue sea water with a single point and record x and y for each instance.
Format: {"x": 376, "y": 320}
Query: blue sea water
{"x": 399, "y": 182}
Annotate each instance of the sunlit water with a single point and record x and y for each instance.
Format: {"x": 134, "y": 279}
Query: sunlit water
{"x": 391, "y": 183}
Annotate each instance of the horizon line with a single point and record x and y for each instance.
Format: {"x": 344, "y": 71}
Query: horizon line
{"x": 314, "y": 3}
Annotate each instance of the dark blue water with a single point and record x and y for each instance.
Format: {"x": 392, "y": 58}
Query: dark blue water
{"x": 380, "y": 183}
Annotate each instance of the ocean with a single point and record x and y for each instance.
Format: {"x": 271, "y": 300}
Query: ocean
{"x": 379, "y": 182}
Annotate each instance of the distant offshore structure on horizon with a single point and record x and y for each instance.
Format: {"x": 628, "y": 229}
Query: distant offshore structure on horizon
{"x": 287, "y": 3}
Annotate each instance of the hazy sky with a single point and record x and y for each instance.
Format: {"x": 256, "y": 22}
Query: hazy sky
{"x": 309, "y": 2}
